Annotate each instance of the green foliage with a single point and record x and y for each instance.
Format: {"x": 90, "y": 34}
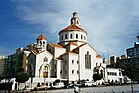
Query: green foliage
{"x": 97, "y": 77}
{"x": 22, "y": 77}
{"x": 131, "y": 70}
{"x": 20, "y": 70}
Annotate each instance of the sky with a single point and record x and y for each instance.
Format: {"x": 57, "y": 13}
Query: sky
{"x": 112, "y": 25}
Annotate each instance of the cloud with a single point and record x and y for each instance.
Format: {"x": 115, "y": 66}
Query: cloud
{"x": 110, "y": 23}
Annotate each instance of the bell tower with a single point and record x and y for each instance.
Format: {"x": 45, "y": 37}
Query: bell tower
{"x": 41, "y": 42}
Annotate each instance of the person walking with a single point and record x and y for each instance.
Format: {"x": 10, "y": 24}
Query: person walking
{"x": 76, "y": 89}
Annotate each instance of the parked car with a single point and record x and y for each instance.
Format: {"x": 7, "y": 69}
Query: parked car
{"x": 89, "y": 83}
{"x": 58, "y": 85}
{"x": 71, "y": 85}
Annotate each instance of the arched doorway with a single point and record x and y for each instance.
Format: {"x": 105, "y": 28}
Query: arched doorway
{"x": 44, "y": 71}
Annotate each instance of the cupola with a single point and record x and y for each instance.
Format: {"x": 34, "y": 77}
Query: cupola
{"x": 41, "y": 42}
{"x": 73, "y": 33}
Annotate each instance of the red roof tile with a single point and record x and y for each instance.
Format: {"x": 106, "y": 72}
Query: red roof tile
{"x": 71, "y": 43}
{"x": 57, "y": 45}
{"x": 41, "y": 37}
{"x": 72, "y": 28}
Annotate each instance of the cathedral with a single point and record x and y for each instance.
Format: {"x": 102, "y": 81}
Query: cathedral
{"x": 71, "y": 60}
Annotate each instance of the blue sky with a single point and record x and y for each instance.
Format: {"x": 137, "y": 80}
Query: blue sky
{"x": 112, "y": 25}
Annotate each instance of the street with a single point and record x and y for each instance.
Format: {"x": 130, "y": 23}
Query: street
{"x": 106, "y": 89}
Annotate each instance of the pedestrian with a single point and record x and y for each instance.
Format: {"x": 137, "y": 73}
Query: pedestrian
{"x": 76, "y": 89}
{"x": 113, "y": 91}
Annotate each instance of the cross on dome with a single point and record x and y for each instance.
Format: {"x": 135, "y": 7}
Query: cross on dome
{"x": 75, "y": 14}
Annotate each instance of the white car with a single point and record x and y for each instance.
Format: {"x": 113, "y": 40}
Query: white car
{"x": 89, "y": 83}
{"x": 58, "y": 85}
{"x": 99, "y": 82}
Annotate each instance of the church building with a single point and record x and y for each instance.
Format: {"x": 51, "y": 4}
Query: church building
{"x": 72, "y": 58}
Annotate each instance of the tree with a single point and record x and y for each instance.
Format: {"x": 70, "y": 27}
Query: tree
{"x": 22, "y": 77}
{"x": 97, "y": 77}
{"x": 131, "y": 71}
{"x": 20, "y": 70}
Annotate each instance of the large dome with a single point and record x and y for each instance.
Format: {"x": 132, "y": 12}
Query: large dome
{"x": 73, "y": 27}
{"x": 74, "y": 32}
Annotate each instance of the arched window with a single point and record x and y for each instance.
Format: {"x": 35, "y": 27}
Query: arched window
{"x": 72, "y": 61}
{"x": 76, "y": 35}
{"x": 66, "y": 36}
{"x": 81, "y": 36}
{"x": 45, "y": 59}
{"x": 87, "y": 61}
{"x": 71, "y": 36}
{"x": 62, "y": 37}
{"x": 77, "y": 71}
{"x": 72, "y": 71}
{"x": 43, "y": 42}
{"x": 84, "y": 38}
{"x": 40, "y": 42}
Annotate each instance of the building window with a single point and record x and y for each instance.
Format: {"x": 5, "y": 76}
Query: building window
{"x": 62, "y": 37}
{"x": 112, "y": 73}
{"x": 45, "y": 59}
{"x": 77, "y": 71}
{"x": 119, "y": 73}
{"x": 81, "y": 36}
{"x": 61, "y": 72}
{"x": 66, "y": 36}
{"x": 40, "y": 42}
{"x": 72, "y": 61}
{"x": 78, "y": 62}
{"x": 84, "y": 38}
{"x": 87, "y": 61}
{"x": 43, "y": 42}
{"x": 76, "y": 35}
{"x": 71, "y": 36}
{"x": 72, "y": 71}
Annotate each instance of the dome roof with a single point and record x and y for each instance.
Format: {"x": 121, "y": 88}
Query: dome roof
{"x": 41, "y": 37}
{"x": 73, "y": 27}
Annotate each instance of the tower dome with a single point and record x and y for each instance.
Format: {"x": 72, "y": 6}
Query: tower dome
{"x": 41, "y": 42}
{"x": 73, "y": 33}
